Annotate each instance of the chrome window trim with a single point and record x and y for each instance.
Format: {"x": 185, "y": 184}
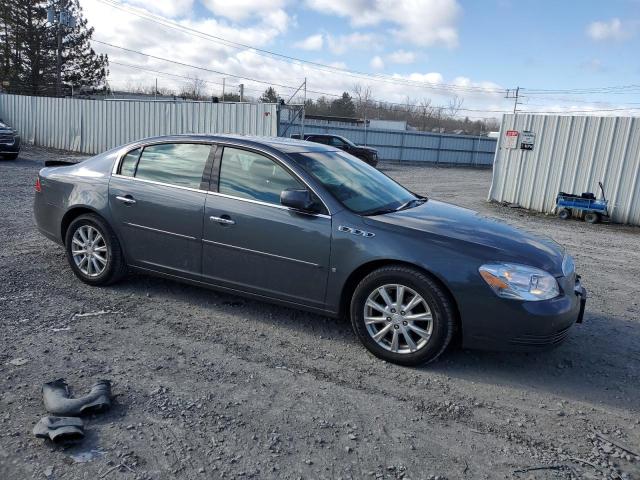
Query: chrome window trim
{"x": 206, "y": 192}
{"x": 124, "y": 151}
{"x": 157, "y": 230}
{"x": 267, "y": 204}
{"x": 153, "y": 182}
{"x": 258, "y": 252}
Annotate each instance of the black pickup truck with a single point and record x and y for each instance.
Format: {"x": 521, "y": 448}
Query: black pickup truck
{"x": 366, "y": 154}
{"x": 9, "y": 142}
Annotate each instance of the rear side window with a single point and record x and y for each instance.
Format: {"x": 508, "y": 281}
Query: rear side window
{"x": 250, "y": 175}
{"x": 336, "y": 142}
{"x": 128, "y": 163}
{"x": 319, "y": 140}
{"x": 180, "y": 164}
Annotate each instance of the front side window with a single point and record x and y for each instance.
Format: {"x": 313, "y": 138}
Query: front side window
{"x": 180, "y": 164}
{"x": 358, "y": 186}
{"x": 250, "y": 175}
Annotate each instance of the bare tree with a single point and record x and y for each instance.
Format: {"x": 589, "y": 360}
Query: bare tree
{"x": 363, "y": 97}
{"x": 455, "y": 104}
{"x": 194, "y": 89}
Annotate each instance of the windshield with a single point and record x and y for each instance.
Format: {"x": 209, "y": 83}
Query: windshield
{"x": 358, "y": 186}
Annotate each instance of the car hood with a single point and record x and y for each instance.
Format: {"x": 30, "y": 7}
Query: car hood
{"x": 369, "y": 149}
{"x": 508, "y": 243}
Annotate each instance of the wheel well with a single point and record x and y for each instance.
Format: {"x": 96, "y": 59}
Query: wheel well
{"x": 69, "y": 217}
{"x": 363, "y": 270}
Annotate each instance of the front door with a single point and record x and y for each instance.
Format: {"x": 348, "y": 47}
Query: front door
{"x": 157, "y": 203}
{"x": 251, "y": 242}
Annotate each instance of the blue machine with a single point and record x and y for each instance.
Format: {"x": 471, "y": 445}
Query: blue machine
{"x": 594, "y": 209}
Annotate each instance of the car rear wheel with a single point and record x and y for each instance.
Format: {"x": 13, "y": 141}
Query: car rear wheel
{"x": 93, "y": 251}
{"x": 402, "y": 315}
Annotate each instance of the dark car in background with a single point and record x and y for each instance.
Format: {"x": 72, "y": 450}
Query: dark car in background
{"x": 310, "y": 226}
{"x": 9, "y": 142}
{"x": 367, "y": 154}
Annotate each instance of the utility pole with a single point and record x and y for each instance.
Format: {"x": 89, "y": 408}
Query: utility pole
{"x": 223, "y": 82}
{"x": 515, "y": 94}
{"x": 304, "y": 106}
{"x": 242, "y": 92}
{"x": 60, "y": 19}
{"x": 155, "y": 92}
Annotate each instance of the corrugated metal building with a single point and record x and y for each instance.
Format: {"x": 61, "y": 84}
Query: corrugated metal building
{"x": 407, "y": 146}
{"x": 570, "y": 154}
{"x": 93, "y": 126}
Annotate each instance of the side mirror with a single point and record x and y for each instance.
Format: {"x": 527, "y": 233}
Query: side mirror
{"x": 299, "y": 199}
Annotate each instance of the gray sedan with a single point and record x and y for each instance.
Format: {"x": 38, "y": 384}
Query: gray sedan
{"x": 309, "y": 226}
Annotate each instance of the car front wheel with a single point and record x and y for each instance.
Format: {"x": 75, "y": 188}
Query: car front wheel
{"x": 402, "y": 315}
{"x": 93, "y": 251}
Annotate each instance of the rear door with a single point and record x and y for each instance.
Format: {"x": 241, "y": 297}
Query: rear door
{"x": 157, "y": 199}
{"x": 251, "y": 242}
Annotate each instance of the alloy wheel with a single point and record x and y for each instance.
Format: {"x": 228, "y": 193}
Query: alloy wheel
{"x": 398, "y": 318}
{"x": 89, "y": 251}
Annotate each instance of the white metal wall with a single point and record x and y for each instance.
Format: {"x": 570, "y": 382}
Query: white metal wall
{"x": 571, "y": 154}
{"x": 93, "y": 126}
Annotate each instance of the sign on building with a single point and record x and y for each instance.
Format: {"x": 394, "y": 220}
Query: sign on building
{"x": 527, "y": 140}
{"x": 511, "y": 139}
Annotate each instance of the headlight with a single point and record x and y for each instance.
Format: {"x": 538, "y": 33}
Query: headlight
{"x": 519, "y": 282}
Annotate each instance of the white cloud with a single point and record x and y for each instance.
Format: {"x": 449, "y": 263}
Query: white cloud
{"x": 356, "y": 40}
{"x": 240, "y": 10}
{"x": 377, "y": 63}
{"x": 613, "y": 29}
{"x": 401, "y": 56}
{"x": 420, "y": 22}
{"x": 246, "y": 63}
{"x": 313, "y": 42}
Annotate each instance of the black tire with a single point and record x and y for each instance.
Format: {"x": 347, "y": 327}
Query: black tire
{"x": 564, "y": 214}
{"x": 115, "y": 268}
{"x": 442, "y": 312}
{"x": 591, "y": 217}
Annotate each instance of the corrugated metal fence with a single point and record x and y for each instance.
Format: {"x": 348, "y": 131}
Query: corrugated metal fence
{"x": 93, "y": 126}
{"x": 571, "y": 154}
{"x": 410, "y": 146}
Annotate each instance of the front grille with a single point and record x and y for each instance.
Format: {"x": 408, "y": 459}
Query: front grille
{"x": 6, "y": 138}
{"x": 541, "y": 340}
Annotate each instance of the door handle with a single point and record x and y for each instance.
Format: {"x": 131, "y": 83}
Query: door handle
{"x": 225, "y": 221}
{"x": 128, "y": 199}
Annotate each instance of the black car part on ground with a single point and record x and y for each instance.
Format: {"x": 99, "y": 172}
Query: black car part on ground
{"x": 59, "y": 429}
{"x": 57, "y": 399}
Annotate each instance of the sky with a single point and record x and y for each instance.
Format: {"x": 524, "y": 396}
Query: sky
{"x": 574, "y": 56}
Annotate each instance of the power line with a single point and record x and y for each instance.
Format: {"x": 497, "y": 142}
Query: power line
{"x": 447, "y": 88}
{"x": 226, "y": 74}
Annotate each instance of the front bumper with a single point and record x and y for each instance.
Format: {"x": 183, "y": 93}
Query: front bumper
{"x": 10, "y": 147}
{"x": 528, "y": 326}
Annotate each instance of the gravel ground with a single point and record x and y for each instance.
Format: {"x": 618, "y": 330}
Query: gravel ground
{"x": 211, "y": 385}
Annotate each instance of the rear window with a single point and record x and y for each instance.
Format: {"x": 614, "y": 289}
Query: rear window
{"x": 180, "y": 164}
{"x": 128, "y": 163}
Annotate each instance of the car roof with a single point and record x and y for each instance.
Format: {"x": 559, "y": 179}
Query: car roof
{"x": 280, "y": 144}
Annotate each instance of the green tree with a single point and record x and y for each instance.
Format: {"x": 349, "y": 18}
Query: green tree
{"x": 343, "y": 106}
{"x": 269, "y": 96}
{"x": 28, "y": 54}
